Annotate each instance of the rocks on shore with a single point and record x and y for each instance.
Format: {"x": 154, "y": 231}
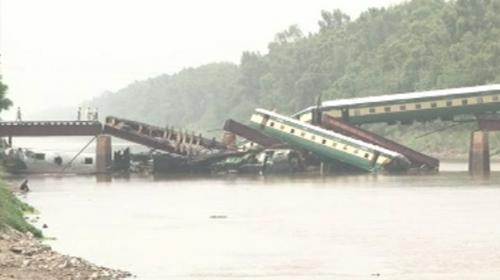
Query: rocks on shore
{"x": 24, "y": 257}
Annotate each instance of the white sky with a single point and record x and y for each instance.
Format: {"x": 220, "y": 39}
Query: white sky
{"x": 61, "y": 52}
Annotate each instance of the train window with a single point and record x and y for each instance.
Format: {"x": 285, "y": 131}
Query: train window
{"x": 334, "y": 144}
{"x": 372, "y": 110}
{"x": 323, "y": 141}
{"x": 402, "y": 107}
{"x": 313, "y": 137}
{"x": 282, "y": 127}
{"x": 464, "y": 101}
{"x": 88, "y": 160}
{"x": 418, "y": 106}
{"x": 271, "y": 124}
{"x": 387, "y": 109}
{"x": 303, "y": 134}
{"x": 480, "y": 100}
{"x": 433, "y": 105}
{"x": 356, "y": 151}
{"x": 367, "y": 155}
{"x": 357, "y": 112}
{"x": 449, "y": 103}
{"x": 40, "y": 156}
{"x": 345, "y": 147}
{"x": 58, "y": 160}
{"x": 494, "y": 98}
{"x": 292, "y": 131}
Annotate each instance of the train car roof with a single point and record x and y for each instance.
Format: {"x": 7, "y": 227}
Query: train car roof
{"x": 410, "y": 96}
{"x": 403, "y": 97}
{"x": 328, "y": 132}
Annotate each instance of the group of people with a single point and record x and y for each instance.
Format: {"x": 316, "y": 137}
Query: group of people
{"x": 91, "y": 114}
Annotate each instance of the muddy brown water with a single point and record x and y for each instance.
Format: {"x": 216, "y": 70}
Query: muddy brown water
{"x": 443, "y": 226}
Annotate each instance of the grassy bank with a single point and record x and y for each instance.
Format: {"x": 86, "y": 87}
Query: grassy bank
{"x": 12, "y": 212}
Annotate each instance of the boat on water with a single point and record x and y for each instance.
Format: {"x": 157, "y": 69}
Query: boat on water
{"x": 24, "y": 160}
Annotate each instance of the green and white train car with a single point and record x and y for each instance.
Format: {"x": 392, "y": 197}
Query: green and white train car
{"x": 415, "y": 106}
{"x": 327, "y": 144}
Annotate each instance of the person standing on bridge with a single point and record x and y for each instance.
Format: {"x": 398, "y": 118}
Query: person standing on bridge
{"x": 18, "y": 115}
{"x": 79, "y": 114}
{"x": 89, "y": 114}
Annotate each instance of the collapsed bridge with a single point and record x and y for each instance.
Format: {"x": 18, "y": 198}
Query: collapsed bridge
{"x": 167, "y": 139}
{"x": 341, "y": 117}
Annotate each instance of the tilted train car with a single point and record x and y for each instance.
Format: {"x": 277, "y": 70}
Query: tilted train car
{"x": 408, "y": 107}
{"x": 327, "y": 144}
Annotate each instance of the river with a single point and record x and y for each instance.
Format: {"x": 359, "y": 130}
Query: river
{"x": 443, "y": 226}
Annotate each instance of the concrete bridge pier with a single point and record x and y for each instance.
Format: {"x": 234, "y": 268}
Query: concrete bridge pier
{"x": 103, "y": 154}
{"x": 479, "y": 154}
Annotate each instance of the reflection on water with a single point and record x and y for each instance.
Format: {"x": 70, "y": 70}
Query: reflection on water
{"x": 345, "y": 227}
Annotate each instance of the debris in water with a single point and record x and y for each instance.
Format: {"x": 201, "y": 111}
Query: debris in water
{"x": 218, "y": 217}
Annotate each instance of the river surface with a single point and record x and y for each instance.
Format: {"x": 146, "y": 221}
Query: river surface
{"x": 347, "y": 227}
{"x": 444, "y": 226}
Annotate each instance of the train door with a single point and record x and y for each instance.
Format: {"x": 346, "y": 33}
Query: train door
{"x": 345, "y": 113}
{"x": 374, "y": 159}
{"x": 265, "y": 119}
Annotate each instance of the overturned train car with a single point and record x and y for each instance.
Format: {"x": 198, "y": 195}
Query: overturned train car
{"x": 328, "y": 145}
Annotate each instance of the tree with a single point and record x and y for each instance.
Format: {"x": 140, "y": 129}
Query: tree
{"x": 5, "y": 103}
{"x": 333, "y": 20}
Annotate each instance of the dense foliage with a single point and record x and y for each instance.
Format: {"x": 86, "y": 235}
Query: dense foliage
{"x": 5, "y": 103}
{"x": 417, "y": 45}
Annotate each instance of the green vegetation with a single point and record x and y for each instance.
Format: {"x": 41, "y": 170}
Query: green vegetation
{"x": 5, "y": 103}
{"x": 12, "y": 212}
{"x": 417, "y": 45}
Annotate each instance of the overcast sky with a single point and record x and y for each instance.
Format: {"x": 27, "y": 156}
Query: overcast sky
{"x": 61, "y": 52}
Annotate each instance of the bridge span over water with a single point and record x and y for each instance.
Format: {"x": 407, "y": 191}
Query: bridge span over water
{"x": 342, "y": 116}
{"x": 165, "y": 139}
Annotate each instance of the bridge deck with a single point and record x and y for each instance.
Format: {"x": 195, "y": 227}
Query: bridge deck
{"x": 50, "y": 128}
{"x": 166, "y": 139}
{"x": 250, "y": 133}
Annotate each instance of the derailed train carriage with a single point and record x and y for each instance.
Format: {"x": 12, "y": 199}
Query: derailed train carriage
{"x": 327, "y": 144}
{"x": 408, "y": 107}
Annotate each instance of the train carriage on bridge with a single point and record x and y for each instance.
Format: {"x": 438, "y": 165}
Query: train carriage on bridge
{"x": 409, "y": 107}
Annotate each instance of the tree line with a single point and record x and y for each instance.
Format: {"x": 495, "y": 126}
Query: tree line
{"x": 413, "y": 46}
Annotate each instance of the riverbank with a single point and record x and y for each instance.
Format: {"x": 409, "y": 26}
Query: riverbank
{"x": 24, "y": 256}
{"x": 12, "y": 212}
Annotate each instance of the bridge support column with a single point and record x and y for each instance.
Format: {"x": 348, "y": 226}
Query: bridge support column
{"x": 103, "y": 154}
{"x": 479, "y": 154}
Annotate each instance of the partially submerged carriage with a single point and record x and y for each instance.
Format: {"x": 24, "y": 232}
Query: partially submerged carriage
{"x": 328, "y": 145}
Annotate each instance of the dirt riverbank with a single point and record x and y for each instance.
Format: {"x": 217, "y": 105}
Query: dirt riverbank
{"x": 24, "y": 257}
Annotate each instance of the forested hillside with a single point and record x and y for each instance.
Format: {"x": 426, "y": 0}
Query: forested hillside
{"x": 417, "y": 45}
